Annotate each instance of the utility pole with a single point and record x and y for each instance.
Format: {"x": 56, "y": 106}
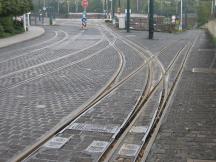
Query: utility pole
{"x": 113, "y": 11}
{"x": 44, "y": 5}
{"x": 213, "y": 6}
{"x": 58, "y": 7}
{"x": 105, "y": 9}
{"x": 186, "y": 14}
{"x": 180, "y": 26}
{"x": 128, "y": 16}
{"x": 68, "y": 6}
{"x": 151, "y": 19}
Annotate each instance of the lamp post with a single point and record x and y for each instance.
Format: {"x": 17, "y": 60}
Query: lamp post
{"x": 151, "y": 19}
{"x": 128, "y": 16}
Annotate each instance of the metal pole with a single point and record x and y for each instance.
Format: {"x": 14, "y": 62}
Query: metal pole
{"x": 105, "y": 9}
{"x": 151, "y": 19}
{"x": 68, "y": 7}
{"x": 58, "y": 7}
{"x": 24, "y": 21}
{"x": 44, "y": 3}
{"x": 186, "y": 14}
{"x": 128, "y": 16}
{"x": 180, "y": 26}
{"x": 113, "y": 11}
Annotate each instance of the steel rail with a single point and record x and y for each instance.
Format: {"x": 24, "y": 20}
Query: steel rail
{"x": 50, "y": 45}
{"x": 138, "y": 109}
{"x": 28, "y": 151}
{"x": 107, "y": 90}
{"x": 156, "y": 122}
{"x": 37, "y": 44}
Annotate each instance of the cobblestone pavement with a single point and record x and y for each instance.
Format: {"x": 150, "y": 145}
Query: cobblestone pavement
{"x": 188, "y": 129}
{"x": 30, "y": 109}
{"x": 110, "y": 112}
{"x": 44, "y": 80}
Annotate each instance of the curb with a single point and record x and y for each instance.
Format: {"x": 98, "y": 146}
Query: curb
{"x": 33, "y": 33}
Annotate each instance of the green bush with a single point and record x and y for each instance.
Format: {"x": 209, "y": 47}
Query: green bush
{"x": 8, "y": 25}
{"x": 1, "y": 30}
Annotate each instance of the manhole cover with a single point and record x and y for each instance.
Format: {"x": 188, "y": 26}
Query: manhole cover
{"x": 139, "y": 129}
{"x": 94, "y": 127}
{"x": 97, "y": 146}
{"x": 56, "y": 142}
{"x": 129, "y": 150}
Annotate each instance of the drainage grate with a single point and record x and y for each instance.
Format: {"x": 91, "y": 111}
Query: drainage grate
{"x": 56, "y": 142}
{"x": 97, "y": 146}
{"x": 139, "y": 129}
{"x": 129, "y": 150}
{"x": 94, "y": 127}
{"x": 204, "y": 70}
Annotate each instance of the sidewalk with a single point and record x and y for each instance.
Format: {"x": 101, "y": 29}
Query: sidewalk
{"x": 212, "y": 27}
{"x": 188, "y": 130}
{"x": 32, "y": 33}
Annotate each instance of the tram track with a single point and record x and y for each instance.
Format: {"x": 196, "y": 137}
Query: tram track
{"x": 113, "y": 84}
{"x": 101, "y": 95}
{"x": 53, "y": 62}
{"x": 156, "y": 117}
{"x": 157, "y": 120}
{"x": 39, "y": 49}
{"x": 34, "y": 45}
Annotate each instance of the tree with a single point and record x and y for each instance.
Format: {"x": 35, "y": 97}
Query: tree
{"x": 15, "y": 7}
{"x": 203, "y": 12}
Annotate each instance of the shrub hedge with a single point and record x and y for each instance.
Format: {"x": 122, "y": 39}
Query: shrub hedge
{"x": 9, "y": 10}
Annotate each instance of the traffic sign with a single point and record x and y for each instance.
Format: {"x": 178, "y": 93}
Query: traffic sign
{"x": 84, "y": 3}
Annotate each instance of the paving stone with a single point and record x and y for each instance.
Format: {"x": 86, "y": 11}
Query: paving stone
{"x": 188, "y": 136}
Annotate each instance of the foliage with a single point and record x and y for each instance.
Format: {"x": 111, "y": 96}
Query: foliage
{"x": 15, "y": 7}
{"x": 203, "y": 12}
{"x": 9, "y": 9}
